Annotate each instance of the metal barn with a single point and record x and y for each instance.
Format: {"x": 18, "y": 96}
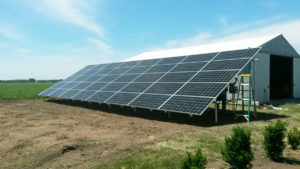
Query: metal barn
{"x": 276, "y": 68}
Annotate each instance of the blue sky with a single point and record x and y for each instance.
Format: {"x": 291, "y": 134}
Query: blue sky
{"x": 51, "y": 39}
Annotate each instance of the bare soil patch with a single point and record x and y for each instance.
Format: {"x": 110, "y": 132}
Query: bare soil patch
{"x": 46, "y": 134}
{"x": 42, "y": 134}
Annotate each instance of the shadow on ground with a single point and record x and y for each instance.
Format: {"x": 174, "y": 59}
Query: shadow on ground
{"x": 291, "y": 161}
{"x": 278, "y": 102}
{"x": 205, "y": 120}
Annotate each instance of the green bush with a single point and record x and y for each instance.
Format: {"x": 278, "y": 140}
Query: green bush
{"x": 197, "y": 161}
{"x": 237, "y": 151}
{"x": 294, "y": 138}
{"x": 273, "y": 140}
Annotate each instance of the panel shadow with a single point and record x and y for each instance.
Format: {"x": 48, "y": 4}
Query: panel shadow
{"x": 206, "y": 120}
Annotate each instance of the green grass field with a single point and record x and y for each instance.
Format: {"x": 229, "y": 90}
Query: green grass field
{"x": 10, "y": 91}
{"x": 168, "y": 154}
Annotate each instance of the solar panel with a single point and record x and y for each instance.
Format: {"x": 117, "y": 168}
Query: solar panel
{"x": 126, "y": 78}
{"x": 185, "y": 84}
{"x": 80, "y": 78}
{"x": 120, "y": 70}
{"x": 138, "y": 69}
{"x": 68, "y": 94}
{"x": 171, "y": 60}
{"x": 149, "y": 77}
{"x": 236, "y": 54}
{"x": 160, "y": 68}
{"x": 109, "y": 78}
{"x": 103, "y": 71}
{"x": 56, "y": 92}
{"x": 100, "y": 97}
{"x": 194, "y": 66}
{"x": 226, "y": 64}
{"x": 200, "y": 57}
{"x": 136, "y": 87}
{"x": 122, "y": 98}
{"x": 129, "y": 64}
{"x": 81, "y": 86}
{"x": 93, "y": 78}
{"x": 164, "y": 88}
{"x": 187, "y": 104}
{"x": 96, "y": 86}
{"x": 113, "y": 87}
{"x": 202, "y": 89}
{"x": 214, "y": 76}
{"x": 71, "y": 78}
{"x": 59, "y": 84}
{"x": 83, "y": 95}
{"x": 84, "y": 70}
{"x": 148, "y": 62}
{"x": 68, "y": 85}
{"x": 149, "y": 100}
{"x": 177, "y": 77}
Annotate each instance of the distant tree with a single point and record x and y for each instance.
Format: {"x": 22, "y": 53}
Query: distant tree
{"x": 32, "y": 80}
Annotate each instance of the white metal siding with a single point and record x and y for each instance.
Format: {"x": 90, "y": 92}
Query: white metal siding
{"x": 296, "y": 74}
{"x": 279, "y": 46}
{"x": 262, "y": 77}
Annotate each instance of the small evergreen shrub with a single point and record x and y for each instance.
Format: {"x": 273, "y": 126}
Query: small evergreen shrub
{"x": 294, "y": 138}
{"x": 197, "y": 161}
{"x": 273, "y": 140}
{"x": 237, "y": 151}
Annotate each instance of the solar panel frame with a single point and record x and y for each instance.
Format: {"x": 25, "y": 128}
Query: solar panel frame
{"x": 115, "y": 79}
{"x": 226, "y": 64}
{"x": 145, "y": 100}
{"x": 121, "y": 98}
{"x": 163, "y": 88}
{"x": 201, "y": 89}
{"x": 189, "y": 104}
{"x": 147, "y": 62}
{"x": 157, "y": 80}
{"x": 204, "y": 57}
{"x": 82, "y": 95}
{"x": 160, "y": 108}
{"x": 92, "y": 74}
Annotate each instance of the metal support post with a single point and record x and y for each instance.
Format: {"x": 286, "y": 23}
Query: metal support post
{"x": 242, "y": 81}
{"x": 249, "y": 98}
{"x": 216, "y": 111}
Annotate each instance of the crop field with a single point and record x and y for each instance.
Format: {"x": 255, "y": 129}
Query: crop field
{"x": 22, "y": 90}
{"x": 45, "y": 133}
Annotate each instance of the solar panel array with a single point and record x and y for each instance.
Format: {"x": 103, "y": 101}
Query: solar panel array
{"x": 186, "y": 84}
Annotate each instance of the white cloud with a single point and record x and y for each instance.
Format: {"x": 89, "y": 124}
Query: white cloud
{"x": 72, "y": 11}
{"x": 101, "y": 46}
{"x": 288, "y": 28}
{"x": 9, "y": 32}
{"x": 202, "y": 37}
{"x": 238, "y": 27}
{"x": 79, "y": 13}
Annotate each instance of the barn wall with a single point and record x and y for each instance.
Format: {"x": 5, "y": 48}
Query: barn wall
{"x": 262, "y": 77}
{"x": 296, "y": 75}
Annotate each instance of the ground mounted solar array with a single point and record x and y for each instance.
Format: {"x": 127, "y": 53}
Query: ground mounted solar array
{"x": 185, "y": 84}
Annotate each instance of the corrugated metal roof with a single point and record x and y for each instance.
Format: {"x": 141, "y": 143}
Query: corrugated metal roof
{"x": 217, "y": 46}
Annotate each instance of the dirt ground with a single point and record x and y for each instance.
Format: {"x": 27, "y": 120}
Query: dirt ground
{"x": 42, "y": 134}
{"x": 45, "y": 134}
